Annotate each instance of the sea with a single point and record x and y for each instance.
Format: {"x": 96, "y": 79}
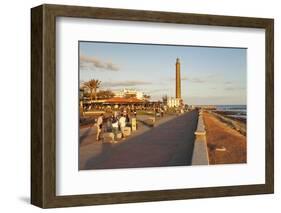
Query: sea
{"x": 235, "y": 111}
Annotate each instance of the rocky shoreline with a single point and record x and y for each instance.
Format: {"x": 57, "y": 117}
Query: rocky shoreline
{"x": 239, "y": 124}
{"x": 231, "y": 115}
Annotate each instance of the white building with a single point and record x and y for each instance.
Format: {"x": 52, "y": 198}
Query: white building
{"x": 128, "y": 92}
{"x": 173, "y": 102}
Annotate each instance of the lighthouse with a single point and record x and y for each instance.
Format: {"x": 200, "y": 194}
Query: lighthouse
{"x": 176, "y": 101}
{"x": 178, "y": 79}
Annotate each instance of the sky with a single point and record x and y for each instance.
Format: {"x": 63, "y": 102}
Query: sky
{"x": 209, "y": 75}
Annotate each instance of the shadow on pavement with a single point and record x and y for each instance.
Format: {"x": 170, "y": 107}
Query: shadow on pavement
{"x": 169, "y": 144}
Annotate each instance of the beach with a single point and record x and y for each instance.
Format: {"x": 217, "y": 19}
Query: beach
{"x": 225, "y": 144}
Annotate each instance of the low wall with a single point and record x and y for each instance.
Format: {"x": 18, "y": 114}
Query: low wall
{"x": 146, "y": 120}
{"x": 200, "y": 151}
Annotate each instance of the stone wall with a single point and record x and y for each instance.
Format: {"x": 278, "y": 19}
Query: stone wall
{"x": 200, "y": 151}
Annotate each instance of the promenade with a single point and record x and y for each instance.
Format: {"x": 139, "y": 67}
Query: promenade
{"x": 169, "y": 143}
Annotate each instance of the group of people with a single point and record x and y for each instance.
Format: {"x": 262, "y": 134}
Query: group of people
{"x": 159, "y": 112}
{"x": 110, "y": 108}
{"x": 112, "y": 124}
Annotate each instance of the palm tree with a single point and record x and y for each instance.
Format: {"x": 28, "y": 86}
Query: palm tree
{"x": 93, "y": 85}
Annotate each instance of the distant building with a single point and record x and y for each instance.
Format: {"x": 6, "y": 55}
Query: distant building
{"x": 173, "y": 102}
{"x": 129, "y": 93}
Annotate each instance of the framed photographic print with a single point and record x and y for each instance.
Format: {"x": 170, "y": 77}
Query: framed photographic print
{"x": 137, "y": 106}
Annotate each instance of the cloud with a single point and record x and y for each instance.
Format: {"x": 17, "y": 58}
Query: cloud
{"x": 212, "y": 76}
{"x": 194, "y": 80}
{"x": 91, "y": 63}
{"x": 234, "y": 88}
{"x": 197, "y": 80}
{"x": 200, "y": 79}
{"x": 158, "y": 90}
{"x": 191, "y": 80}
{"x": 228, "y": 82}
{"x": 125, "y": 83}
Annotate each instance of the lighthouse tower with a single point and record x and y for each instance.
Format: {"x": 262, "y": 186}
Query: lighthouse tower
{"x": 178, "y": 79}
{"x": 177, "y": 101}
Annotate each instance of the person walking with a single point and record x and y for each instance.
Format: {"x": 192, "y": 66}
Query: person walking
{"x": 114, "y": 123}
{"x": 122, "y": 124}
{"x": 108, "y": 122}
{"x": 99, "y": 127}
{"x": 162, "y": 112}
{"x": 127, "y": 119}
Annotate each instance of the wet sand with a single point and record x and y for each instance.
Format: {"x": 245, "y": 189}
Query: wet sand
{"x": 225, "y": 145}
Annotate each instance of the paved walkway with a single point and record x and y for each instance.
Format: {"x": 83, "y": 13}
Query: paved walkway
{"x": 88, "y": 134}
{"x": 168, "y": 144}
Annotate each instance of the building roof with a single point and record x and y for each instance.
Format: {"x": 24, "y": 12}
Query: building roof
{"x": 120, "y": 100}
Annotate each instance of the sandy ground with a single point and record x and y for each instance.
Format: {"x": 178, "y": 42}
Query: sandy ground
{"x": 225, "y": 145}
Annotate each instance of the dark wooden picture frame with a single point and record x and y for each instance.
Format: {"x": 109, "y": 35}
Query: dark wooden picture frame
{"x": 43, "y": 105}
